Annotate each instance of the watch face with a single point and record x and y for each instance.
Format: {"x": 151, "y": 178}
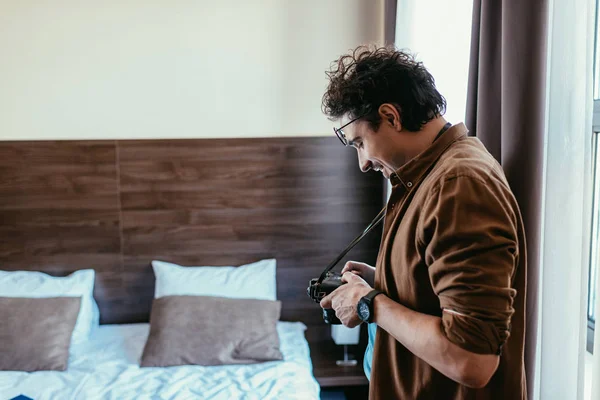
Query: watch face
{"x": 363, "y": 310}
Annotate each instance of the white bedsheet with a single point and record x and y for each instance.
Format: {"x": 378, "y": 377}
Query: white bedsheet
{"x": 107, "y": 367}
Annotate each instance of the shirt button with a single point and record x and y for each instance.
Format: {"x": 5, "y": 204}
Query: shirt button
{"x": 409, "y": 184}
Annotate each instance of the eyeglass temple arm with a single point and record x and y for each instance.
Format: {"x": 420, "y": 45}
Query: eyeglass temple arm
{"x": 372, "y": 225}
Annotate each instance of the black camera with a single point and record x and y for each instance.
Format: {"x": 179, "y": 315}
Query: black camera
{"x": 329, "y": 281}
{"x": 317, "y": 291}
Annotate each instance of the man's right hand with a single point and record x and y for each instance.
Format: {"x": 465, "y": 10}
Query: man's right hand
{"x": 363, "y": 270}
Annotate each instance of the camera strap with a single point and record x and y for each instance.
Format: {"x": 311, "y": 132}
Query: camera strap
{"x": 372, "y": 225}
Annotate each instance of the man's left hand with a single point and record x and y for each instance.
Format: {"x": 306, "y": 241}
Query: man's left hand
{"x": 345, "y": 299}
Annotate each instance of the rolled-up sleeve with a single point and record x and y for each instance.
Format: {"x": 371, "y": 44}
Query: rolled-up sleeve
{"x": 469, "y": 236}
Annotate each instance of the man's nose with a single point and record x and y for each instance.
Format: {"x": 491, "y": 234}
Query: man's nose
{"x": 365, "y": 165}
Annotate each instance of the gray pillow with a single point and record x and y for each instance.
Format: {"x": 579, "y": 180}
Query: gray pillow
{"x": 206, "y": 330}
{"x": 35, "y": 333}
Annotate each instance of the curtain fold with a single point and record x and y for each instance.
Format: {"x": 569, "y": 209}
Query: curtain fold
{"x": 389, "y": 21}
{"x": 505, "y": 109}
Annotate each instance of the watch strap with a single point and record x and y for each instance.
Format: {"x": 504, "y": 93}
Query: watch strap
{"x": 371, "y": 295}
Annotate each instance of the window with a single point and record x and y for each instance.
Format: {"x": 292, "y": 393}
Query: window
{"x": 593, "y": 267}
{"x": 595, "y": 253}
{"x": 454, "y": 19}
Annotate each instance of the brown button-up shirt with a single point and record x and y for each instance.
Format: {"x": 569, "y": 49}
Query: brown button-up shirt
{"x": 453, "y": 246}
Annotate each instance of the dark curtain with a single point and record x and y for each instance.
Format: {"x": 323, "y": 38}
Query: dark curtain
{"x": 389, "y": 29}
{"x": 505, "y": 110}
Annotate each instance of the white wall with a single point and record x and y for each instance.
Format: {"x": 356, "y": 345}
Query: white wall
{"x": 77, "y": 69}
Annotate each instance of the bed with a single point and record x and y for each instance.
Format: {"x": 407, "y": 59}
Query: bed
{"x": 107, "y": 368}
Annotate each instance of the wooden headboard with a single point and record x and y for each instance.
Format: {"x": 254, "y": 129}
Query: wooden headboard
{"x": 115, "y": 206}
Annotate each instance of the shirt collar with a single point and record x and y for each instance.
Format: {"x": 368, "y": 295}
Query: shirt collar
{"x": 413, "y": 171}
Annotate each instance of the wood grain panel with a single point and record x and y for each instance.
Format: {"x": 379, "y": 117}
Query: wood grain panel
{"x": 59, "y": 210}
{"x": 351, "y": 213}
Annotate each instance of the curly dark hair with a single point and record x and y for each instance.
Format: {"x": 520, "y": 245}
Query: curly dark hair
{"x": 370, "y": 76}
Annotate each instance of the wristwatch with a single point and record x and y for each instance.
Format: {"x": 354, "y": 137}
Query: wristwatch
{"x": 364, "y": 308}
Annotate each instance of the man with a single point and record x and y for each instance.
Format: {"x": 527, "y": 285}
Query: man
{"x": 447, "y": 295}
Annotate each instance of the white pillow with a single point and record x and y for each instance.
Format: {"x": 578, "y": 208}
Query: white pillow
{"x": 251, "y": 281}
{"x": 38, "y": 284}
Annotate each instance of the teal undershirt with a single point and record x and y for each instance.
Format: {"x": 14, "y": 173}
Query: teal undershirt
{"x": 368, "y": 360}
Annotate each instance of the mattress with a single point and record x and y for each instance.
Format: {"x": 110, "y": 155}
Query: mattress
{"x": 107, "y": 367}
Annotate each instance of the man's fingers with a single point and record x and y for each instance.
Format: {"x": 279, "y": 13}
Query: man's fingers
{"x": 347, "y": 267}
{"x": 353, "y": 323}
{"x": 326, "y": 301}
{"x": 351, "y": 277}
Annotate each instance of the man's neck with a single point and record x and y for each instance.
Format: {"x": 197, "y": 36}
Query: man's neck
{"x": 432, "y": 129}
{"x": 425, "y": 137}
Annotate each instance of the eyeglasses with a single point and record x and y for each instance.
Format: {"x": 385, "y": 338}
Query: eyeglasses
{"x": 340, "y": 133}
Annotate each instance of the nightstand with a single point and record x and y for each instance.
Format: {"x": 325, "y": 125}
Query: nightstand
{"x": 351, "y": 380}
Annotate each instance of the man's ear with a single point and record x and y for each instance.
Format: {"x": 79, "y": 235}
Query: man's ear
{"x": 390, "y": 115}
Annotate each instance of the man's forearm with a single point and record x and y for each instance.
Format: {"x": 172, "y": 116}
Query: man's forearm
{"x": 422, "y": 334}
